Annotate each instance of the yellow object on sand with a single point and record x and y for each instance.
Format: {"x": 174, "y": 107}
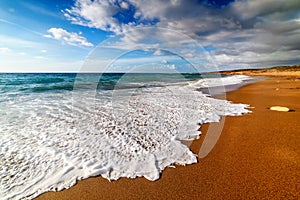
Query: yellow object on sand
{"x": 280, "y": 108}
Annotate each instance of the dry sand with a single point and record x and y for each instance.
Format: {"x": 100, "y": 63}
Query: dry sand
{"x": 256, "y": 157}
{"x": 287, "y": 71}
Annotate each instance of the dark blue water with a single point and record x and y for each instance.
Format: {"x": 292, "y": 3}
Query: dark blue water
{"x": 59, "y": 82}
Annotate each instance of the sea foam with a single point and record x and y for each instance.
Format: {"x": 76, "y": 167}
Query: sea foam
{"x": 48, "y": 141}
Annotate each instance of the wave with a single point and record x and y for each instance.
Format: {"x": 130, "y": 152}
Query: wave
{"x": 221, "y": 81}
{"x": 23, "y": 79}
{"x": 68, "y": 87}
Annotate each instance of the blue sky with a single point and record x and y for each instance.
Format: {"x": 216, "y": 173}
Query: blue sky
{"x": 23, "y": 45}
{"x": 134, "y": 35}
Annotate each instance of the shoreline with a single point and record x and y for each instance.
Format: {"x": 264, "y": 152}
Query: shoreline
{"x": 253, "y": 158}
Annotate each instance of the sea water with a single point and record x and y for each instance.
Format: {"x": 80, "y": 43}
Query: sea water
{"x": 56, "y": 129}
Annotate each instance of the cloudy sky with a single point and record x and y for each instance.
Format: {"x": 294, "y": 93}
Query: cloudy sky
{"x": 181, "y": 35}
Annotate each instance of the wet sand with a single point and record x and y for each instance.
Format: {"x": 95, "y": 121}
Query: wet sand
{"x": 256, "y": 157}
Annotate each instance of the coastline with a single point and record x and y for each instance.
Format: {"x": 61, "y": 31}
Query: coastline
{"x": 255, "y": 156}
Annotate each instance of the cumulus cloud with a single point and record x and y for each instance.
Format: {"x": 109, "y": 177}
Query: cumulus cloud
{"x": 274, "y": 9}
{"x": 124, "y": 5}
{"x": 97, "y": 14}
{"x": 246, "y": 33}
{"x": 67, "y": 37}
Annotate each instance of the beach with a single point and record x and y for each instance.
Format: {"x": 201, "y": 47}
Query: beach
{"x": 165, "y": 99}
{"x": 256, "y": 156}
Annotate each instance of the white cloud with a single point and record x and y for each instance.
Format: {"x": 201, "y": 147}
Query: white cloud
{"x": 124, "y": 5}
{"x": 97, "y": 14}
{"x": 68, "y": 37}
{"x": 264, "y": 8}
{"x": 44, "y": 51}
{"x": 4, "y": 50}
{"x": 158, "y": 52}
{"x": 172, "y": 66}
{"x": 243, "y": 33}
{"x": 164, "y": 62}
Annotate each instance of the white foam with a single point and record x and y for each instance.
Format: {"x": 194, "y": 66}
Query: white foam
{"x": 46, "y": 144}
{"x": 221, "y": 81}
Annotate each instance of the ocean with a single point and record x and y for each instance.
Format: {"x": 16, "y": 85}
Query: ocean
{"x": 57, "y": 128}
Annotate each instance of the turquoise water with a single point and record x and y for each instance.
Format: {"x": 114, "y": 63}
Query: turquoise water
{"x": 59, "y": 82}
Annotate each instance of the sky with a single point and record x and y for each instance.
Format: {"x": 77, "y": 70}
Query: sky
{"x": 154, "y": 36}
